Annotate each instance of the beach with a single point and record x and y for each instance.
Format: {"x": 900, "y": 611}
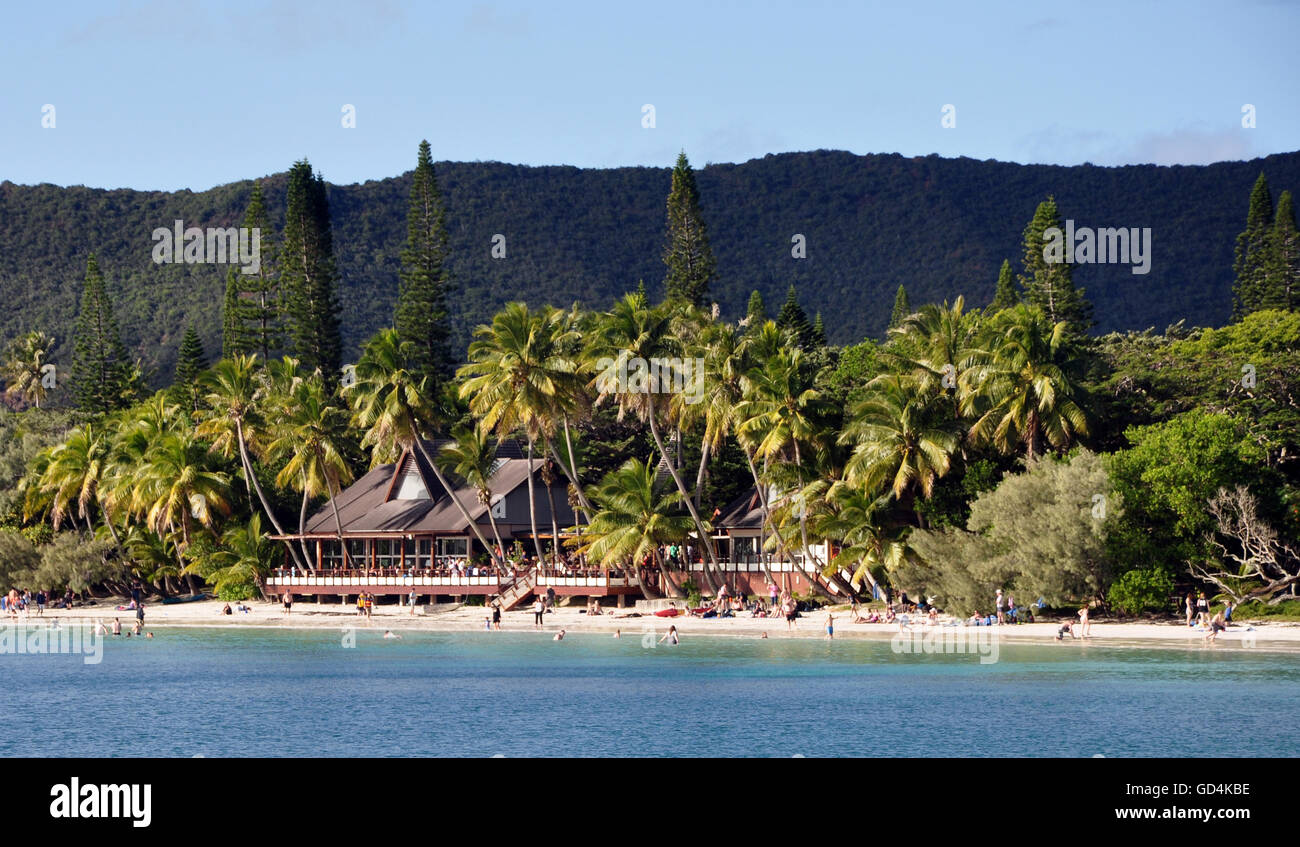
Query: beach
{"x": 453, "y": 617}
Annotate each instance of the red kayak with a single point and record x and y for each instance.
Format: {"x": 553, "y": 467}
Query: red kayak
{"x": 668, "y": 613}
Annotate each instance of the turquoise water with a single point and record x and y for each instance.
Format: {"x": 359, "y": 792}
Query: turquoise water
{"x": 246, "y": 692}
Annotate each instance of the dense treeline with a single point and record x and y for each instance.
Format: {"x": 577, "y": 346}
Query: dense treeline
{"x": 940, "y": 226}
{"x": 973, "y": 447}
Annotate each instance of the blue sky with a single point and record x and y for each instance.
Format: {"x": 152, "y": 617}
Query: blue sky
{"x": 168, "y": 94}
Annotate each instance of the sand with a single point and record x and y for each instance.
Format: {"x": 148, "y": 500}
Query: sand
{"x": 454, "y": 617}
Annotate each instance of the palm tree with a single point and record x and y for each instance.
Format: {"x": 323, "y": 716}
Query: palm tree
{"x": 473, "y": 458}
{"x": 859, "y": 519}
{"x": 519, "y": 378}
{"x": 632, "y": 335}
{"x": 179, "y": 484}
{"x": 902, "y": 439}
{"x": 1025, "y": 379}
{"x": 635, "y": 517}
{"x": 24, "y": 365}
{"x": 393, "y": 406}
{"x": 310, "y": 435}
{"x": 73, "y": 474}
{"x": 244, "y": 556}
{"x": 782, "y": 410}
{"x": 234, "y": 389}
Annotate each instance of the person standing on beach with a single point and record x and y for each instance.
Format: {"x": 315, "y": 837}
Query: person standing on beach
{"x": 40, "y": 602}
{"x": 1084, "y": 626}
{"x": 370, "y": 606}
{"x": 1202, "y": 610}
{"x": 772, "y": 593}
{"x": 496, "y": 615}
{"x": 1189, "y": 605}
{"x": 830, "y": 627}
{"x": 1001, "y": 603}
{"x": 410, "y": 600}
{"x": 791, "y": 612}
{"x": 539, "y": 609}
{"x": 288, "y": 602}
{"x": 139, "y": 618}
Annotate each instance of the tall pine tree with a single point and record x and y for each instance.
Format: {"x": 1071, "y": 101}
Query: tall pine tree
{"x": 756, "y": 311}
{"x": 1283, "y": 269}
{"x": 1049, "y": 285}
{"x": 689, "y": 257}
{"x": 794, "y": 319}
{"x": 818, "y": 335}
{"x": 190, "y": 362}
{"x": 902, "y": 308}
{"x": 308, "y": 275}
{"x": 101, "y": 372}
{"x": 1004, "y": 297}
{"x": 234, "y": 338}
{"x": 421, "y": 313}
{"x": 263, "y": 301}
{"x": 1252, "y": 254}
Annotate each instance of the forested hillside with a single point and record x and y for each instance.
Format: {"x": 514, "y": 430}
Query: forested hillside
{"x": 938, "y": 226}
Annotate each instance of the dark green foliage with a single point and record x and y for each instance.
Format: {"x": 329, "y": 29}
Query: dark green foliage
{"x": 1252, "y": 253}
{"x": 421, "y": 313}
{"x": 1004, "y": 296}
{"x": 308, "y": 275}
{"x": 691, "y": 266}
{"x": 1049, "y": 285}
{"x": 1141, "y": 590}
{"x": 795, "y": 320}
{"x": 190, "y": 362}
{"x": 1283, "y": 263}
{"x": 902, "y": 308}
{"x": 260, "y": 318}
{"x": 233, "y": 341}
{"x": 755, "y": 311}
{"x": 818, "y": 336}
{"x": 949, "y": 222}
{"x": 101, "y": 373}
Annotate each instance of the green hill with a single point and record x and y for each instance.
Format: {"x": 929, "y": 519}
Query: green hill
{"x": 939, "y": 226}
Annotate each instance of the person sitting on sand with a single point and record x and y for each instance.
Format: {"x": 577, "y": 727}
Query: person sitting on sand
{"x": 670, "y": 636}
{"x": 226, "y": 610}
{"x": 975, "y": 619}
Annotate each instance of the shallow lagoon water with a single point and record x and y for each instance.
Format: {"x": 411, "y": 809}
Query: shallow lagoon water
{"x": 267, "y": 692}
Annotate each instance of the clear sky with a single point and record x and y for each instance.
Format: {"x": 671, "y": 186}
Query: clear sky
{"x": 168, "y": 94}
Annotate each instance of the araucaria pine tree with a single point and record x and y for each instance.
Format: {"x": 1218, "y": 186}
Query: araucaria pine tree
{"x": 1252, "y": 255}
{"x": 308, "y": 275}
{"x": 1283, "y": 290}
{"x": 1049, "y": 285}
{"x": 689, "y": 257}
{"x": 190, "y": 362}
{"x": 756, "y": 311}
{"x": 101, "y": 372}
{"x": 818, "y": 335}
{"x": 421, "y": 313}
{"x": 1004, "y": 297}
{"x": 794, "y": 319}
{"x": 902, "y": 308}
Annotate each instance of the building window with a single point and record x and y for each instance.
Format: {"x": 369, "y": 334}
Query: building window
{"x": 452, "y": 548}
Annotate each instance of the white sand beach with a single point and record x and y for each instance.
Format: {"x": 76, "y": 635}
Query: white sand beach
{"x": 455, "y": 617}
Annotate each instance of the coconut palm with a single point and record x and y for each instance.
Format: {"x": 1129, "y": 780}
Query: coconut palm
{"x": 394, "y": 407}
{"x": 244, "y": 557}
{"x": 473, "y": 457}
{"x": 859, "y": 518}
{"x": 310, "y": 436}
{"x": 631, "y": 336}
{"x": 73, "y": 474}
{"x": 635, "y": 517}
{"x": 234, "y": 389}
{"x": 178, "y": 485}
{"x": 519, "y": 378}
{"x": 23, "y": 367}
{"x": 902, "y": 436}
{"x": 783, "y": 413}
{"x": 1025, "y": 380}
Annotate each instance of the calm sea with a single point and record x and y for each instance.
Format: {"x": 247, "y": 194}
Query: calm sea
{"x": 245, "y": 692}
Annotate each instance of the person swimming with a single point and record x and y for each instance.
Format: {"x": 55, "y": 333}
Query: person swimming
{"x": 388, "y": 633}
{"x": 559, "y": 636}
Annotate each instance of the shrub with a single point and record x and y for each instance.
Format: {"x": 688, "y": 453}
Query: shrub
{"x": 1141, "y": 590}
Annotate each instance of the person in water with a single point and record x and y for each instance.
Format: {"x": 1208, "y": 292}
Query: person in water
{"x": 388, "y": 633}
{"x": 670, "y": 636}
{"x": 559, "y": 636}
{"x": 830, "y": 627}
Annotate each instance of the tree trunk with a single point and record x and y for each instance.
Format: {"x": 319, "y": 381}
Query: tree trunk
{"x": 699, "y": 475}
{"x": 251, "y": 479}
{"x": 681, "y": 489}
{"x": 532, "y": 507}
{"x": 338, "y": 521}
{"x": 442, "y": 480}
{"x": 310, "y": 565}
{"x": 674, "y": 590}
{"x": 496, "y": 533}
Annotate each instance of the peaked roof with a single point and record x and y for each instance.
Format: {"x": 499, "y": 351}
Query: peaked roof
{"x": 368, "y": 505}
{"x": 745, "y": 512}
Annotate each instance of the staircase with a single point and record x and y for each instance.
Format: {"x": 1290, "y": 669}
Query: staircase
{"x": 519, "y": 590}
